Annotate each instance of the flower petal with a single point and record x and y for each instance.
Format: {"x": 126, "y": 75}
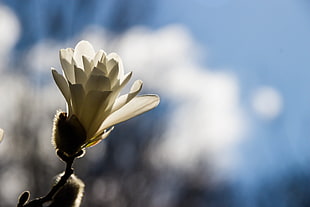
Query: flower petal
{"x": 120, "y": 70}
{"x": 83, "y": 48}
{"x": 66, "y": 54}
{"x": 87, "y": 65}
{"x": 99, "y": 55}
{"x": 102, "y": 67}
{"x": 99, "y": 137}
{"x": 113, "y": 75}
{"x": 135, "y": 107}
{"x": 98, "y": 82}
{"x": 112, "y": 60}
{"x": 77, "y": 98}
{"x": 125, "y": 79}
{"x": 124, "y": 99}
{"x": 62, "y": 85}
{"x": 67, "y": 63}
{"x": 80, "y": 76}
{"x": 117, "y": 88}
{"x": 95, "y": 101}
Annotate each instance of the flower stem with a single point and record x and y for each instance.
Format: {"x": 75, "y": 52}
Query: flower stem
{"x": 38, "y": 202}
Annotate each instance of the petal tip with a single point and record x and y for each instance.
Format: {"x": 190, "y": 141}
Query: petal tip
{"x": 156, "y": 99}
{"x": 83, "y": 44}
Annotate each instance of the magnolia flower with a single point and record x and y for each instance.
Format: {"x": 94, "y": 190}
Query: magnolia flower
{"x": 91, "y": 84}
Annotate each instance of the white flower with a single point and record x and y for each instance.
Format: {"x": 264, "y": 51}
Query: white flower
{"x": 91, "y": 84}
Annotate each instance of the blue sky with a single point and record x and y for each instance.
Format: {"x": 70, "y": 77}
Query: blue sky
{"x": 258, "y": 39}
{"x": 264, "y": 43}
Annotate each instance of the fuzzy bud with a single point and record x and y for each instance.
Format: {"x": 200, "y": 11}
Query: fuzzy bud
{"x": 70, "y": 195}
{"x": 68, "y": 134}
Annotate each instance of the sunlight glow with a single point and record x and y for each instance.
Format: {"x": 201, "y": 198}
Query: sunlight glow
{"x": 267, "y": 102}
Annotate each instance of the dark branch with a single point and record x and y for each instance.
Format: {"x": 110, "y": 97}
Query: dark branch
{"x": 38, "y": 202}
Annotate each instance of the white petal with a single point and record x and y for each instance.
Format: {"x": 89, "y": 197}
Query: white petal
{"x": 135, "y": 107}
{"x": 116, "y": 90}
{"x": 94, "y": 102}
{"x": 136, "y": 86}
{"x": 99, "y": 55}
{"x": 1, "y": 134}
{"x": 122, "y": 100}
{"x": 106, "y": 133}
{"x": 98, "y": 138}
{"x": 113, "y": 75}
{"x": 66, "y": 54}
{"x": 77, "y": 97}
{"x": 102, "y": 67}
{"x": 67, "y": 63}
{"x": 112, "y": 60}
{"x": 83, "y": 48}
{"x": 98, "y": 82}
{"x": 62, "y": 85}
{"x": 120, "y": 70}
{"x": 87, "y": 65}
{"x": 80, "y": 76}
{"x": 126, "y": 78}
{"x": 97, "y": 71}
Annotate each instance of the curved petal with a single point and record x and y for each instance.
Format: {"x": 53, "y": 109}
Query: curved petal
{"x": 87, "y": 65}
{"x": 112, "y": 60}
{"x": 120, "y": 70}
{"x": 125, "y": 79}
{"x": 99, "y": 55}
{"x": 67, "y": 64}
{"x": 113, "y": 75}
{"x": 66, "y": 54}
{"x": 116, "y": 90}
{"x": 80, "y": 76}
{"x": 83, "y": 48}
{"x": 135, "y": 107}
{"x": 124, "y": 99}
{"x": 62, "y": 85}
{"x": 77, "y": 97}
{"x": 98, "y": 82}
{"x": 94, "y": 101}
{"x": 102, "y": 67}
{"x": 99, "y": 137}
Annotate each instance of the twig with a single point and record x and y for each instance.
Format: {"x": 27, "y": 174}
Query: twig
{"x": 38, "y": 202}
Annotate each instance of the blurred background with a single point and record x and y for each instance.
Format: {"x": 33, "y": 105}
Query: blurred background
{"x": 232, "y": 128}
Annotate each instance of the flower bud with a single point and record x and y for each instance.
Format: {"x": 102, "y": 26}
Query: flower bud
{"x": 23, "y": 198}
{"x": 68, "y": 134}
{"x": 70, "y": 195}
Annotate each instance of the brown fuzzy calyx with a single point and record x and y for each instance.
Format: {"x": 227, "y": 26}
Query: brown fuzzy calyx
{"x": 68, "y": 134}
